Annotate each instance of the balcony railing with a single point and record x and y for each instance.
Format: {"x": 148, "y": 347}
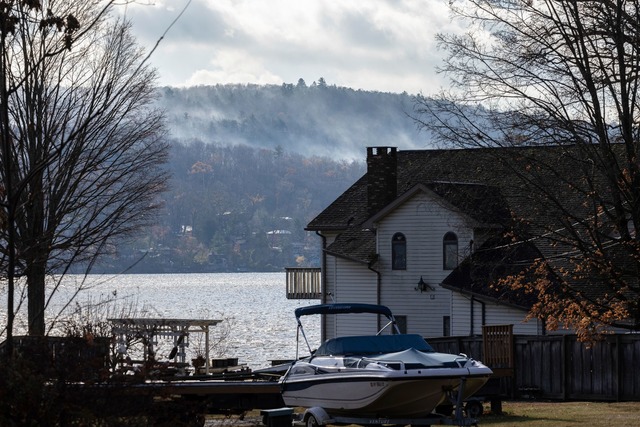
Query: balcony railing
{"x": 303, "y": 283}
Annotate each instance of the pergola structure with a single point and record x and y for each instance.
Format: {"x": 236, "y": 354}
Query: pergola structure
{"x": 149, "y": 330}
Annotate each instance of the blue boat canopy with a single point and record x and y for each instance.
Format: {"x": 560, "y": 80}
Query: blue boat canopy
{"x": 372, "y": 345}
{"x": 341, "y": 308}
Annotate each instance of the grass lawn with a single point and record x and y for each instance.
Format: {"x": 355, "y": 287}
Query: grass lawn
{"x": 519, "y": 414}
{"x": 558, "y": 414}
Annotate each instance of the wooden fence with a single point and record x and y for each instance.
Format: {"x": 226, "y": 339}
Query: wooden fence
{"x": 69, "y": 358}
{"x": 560, "y": 367}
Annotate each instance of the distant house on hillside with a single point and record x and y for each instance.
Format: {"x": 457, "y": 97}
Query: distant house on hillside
{"x": 420, "y": 232}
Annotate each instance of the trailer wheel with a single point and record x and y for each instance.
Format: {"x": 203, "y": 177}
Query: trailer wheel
{"x": 311, "y": 421}
{"x": 474, "y": 408}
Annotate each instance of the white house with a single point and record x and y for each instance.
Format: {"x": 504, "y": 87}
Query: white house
{"x": 402, "y": 236}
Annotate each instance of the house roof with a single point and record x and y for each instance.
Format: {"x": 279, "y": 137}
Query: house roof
{"x": 452, "y": 174}
{"x": 349, "y": 209}
{"x": 496, "y": 259}
{"x": 356, "y": 244}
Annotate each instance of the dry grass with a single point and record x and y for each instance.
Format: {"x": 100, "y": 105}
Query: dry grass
{"x": 519, "y": 414}
{"x": 561, "y": 414}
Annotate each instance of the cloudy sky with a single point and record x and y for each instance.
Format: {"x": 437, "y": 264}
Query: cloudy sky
{"x": 384, "y": 45}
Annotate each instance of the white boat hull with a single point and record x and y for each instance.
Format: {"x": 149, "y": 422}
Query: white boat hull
{"x": 396, "y": 394}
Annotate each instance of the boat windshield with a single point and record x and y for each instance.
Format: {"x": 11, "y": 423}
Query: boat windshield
{"x": 372, "y": 344}
{"x": 342, "y": 308}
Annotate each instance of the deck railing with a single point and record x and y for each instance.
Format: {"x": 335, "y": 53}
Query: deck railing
{"x": 303, "y": 283}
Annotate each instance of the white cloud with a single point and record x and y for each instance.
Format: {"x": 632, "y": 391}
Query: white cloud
{"x": 373, "y": 45}
{"x": 233, "y": 67}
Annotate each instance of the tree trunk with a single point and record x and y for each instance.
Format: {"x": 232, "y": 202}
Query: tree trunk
{"x": 36, "y": 306}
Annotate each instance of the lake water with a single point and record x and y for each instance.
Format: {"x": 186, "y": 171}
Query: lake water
{"x": 259, "y": 319}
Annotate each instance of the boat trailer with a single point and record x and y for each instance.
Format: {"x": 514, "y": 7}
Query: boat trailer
{"x": 317, "y": 416}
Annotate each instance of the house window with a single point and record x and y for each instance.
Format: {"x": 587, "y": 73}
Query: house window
{"x": 398, "y": 252}
{"x": 450, "y": 251}
{"x": 446, "y": 326}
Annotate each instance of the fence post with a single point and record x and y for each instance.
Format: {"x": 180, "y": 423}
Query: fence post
{"x": 565, "y": 363}
{"x": 618, "y": 373}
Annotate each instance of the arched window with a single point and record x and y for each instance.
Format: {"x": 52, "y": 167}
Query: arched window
{"x": 398, "y": 252}
{"x": 450, "y": 251}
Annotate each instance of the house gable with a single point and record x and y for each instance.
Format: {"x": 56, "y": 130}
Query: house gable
{"x": 463, "y": 198}
{"x": 424, "y": 220}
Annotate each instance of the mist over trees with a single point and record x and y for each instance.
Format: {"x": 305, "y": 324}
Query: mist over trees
{"x": 314, "y": 119}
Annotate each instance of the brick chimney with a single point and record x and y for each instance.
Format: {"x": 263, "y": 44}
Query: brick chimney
{"x": 382, "y": 177}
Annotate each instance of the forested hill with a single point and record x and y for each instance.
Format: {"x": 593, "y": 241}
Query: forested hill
{"x": 252, "y": 165}
{"x": 312, "y": 120}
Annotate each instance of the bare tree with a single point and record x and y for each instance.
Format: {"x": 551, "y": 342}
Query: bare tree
{"x": 83, "y": 149}
{"x": 563, "y": 74}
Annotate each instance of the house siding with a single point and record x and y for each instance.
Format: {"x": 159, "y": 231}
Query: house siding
{"x": 329, "y": 282}
{"x": 461, "y": 312}
{"x": 494, "y": 314}
{"x": 423, "y": 220}
{"x": 358, "y": 284}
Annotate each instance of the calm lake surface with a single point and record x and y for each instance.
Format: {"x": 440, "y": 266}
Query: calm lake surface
{"x": 259, "y": 323}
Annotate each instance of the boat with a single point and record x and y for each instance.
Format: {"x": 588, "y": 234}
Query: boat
{"x": 384, "y": 375}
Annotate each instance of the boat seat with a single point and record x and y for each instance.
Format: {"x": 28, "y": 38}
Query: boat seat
{"x": 372, "y": 344}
